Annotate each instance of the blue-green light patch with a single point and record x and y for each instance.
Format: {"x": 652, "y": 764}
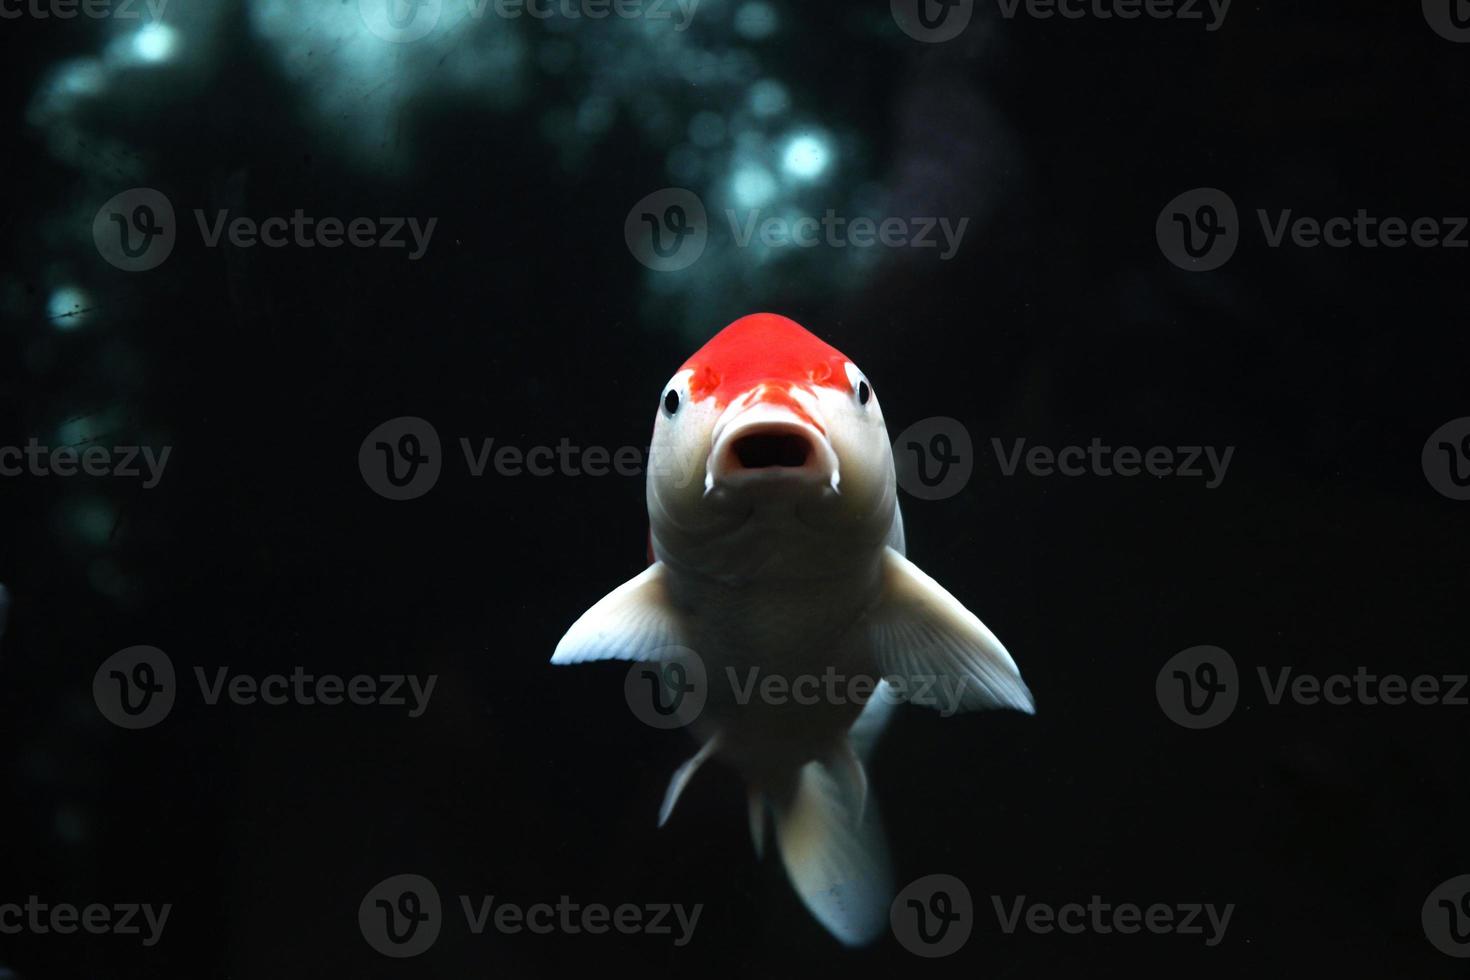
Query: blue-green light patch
{"x": 752, "y": 186}
{"x": 807, "y": 157}
{"x": 768, "y": 97}
{"x": 155, "y": 43}
{"x": 89, "y": 519}
{"x": 756, "y": 20}
{"x": 67, "y": 308}
{"x": 707, "y": 128}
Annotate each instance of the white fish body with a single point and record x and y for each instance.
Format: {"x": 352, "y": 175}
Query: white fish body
{"x": 778, "y": 554}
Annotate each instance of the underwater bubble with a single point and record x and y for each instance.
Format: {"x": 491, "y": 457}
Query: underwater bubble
{"x": 67, "y": 308}
{"x": 768, "y": 97}
{"x": 756, "y": 20}
{"x": 806, "y": 157}
{"x": 752, "y": 186}
{"x": 155, "y": 43}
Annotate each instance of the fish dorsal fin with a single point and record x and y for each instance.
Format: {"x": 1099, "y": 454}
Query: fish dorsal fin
{"x": 927, "y": 640}
{"x": 635, "y": 621}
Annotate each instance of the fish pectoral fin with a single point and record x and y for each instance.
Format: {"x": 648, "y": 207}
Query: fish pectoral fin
{"x": 831, "y": 841}
{"x": 927, "y": 641}
{"x": 681, "y": 778}
{"x": 635, "y": 621}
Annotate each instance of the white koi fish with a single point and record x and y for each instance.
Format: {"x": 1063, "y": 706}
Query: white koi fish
{"x": 777, "y": 551}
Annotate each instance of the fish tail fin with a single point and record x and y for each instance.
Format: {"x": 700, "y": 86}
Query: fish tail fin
{"x": 832, "y": 843}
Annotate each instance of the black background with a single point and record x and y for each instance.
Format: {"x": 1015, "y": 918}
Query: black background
{"x": 1325, "y": 549}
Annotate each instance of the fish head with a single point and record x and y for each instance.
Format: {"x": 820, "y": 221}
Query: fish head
{"x": 767, "y": 417}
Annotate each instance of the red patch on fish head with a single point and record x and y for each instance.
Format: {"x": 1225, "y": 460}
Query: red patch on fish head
{"x": 764, "y": 349}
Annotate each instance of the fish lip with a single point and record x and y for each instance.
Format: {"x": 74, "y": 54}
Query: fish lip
{"x": 725, "y": 470}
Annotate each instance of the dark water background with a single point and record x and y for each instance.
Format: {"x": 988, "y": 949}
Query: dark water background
{"x": 1325, "y": 549}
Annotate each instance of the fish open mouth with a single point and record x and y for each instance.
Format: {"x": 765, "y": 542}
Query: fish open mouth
{"x": 765, "y": 450}
{"x": 768, "y": 449}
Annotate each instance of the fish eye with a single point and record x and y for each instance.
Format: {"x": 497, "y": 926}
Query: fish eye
{"x": 671, "y": 401}
{"x": 860, "y": 386}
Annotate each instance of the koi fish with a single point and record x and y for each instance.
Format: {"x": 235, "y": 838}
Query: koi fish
{"x": 777, "y": 552}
